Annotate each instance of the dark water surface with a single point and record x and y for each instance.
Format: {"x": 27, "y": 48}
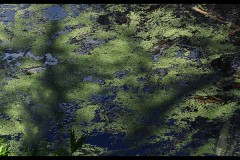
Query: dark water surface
{"x": 109, "y": 100}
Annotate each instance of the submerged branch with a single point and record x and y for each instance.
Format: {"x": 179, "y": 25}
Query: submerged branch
{"x": 218, "y": 18}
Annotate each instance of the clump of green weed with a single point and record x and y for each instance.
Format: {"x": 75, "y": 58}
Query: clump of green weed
{"x": 4, "y": 147}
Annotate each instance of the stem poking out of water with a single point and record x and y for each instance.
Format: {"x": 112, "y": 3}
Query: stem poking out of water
{"x": 218, "y": 18}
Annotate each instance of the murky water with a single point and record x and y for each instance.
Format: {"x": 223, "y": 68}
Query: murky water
{"x": 110, "y": 100}
{"x": 55, "y": 13}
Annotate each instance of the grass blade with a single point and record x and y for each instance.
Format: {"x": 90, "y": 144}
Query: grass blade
{"x": 78, "y": 144}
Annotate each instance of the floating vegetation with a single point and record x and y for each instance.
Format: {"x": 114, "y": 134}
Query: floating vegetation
{"x": 137, "y": 79}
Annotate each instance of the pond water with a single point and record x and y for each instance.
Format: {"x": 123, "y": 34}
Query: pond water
{"x": 100, "y": 76}
{"x": 55, "y": 13}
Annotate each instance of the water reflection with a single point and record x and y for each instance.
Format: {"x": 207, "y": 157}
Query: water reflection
{"x": 55, "y": 13}
{"x": 10, "y": 58}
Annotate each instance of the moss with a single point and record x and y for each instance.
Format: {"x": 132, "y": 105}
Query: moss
{"x": 86, "y": 114}
{"x": 38, "y": 7}
{"x": 91, "y": 150}
{"x": 4, "y": 36}
{"x": 83, "y": 91}
{"x": 116, "y": 8}
{"x": 208, "y": 148}
{"x": 28, "y": 62}
{"x": 101, "y": 34}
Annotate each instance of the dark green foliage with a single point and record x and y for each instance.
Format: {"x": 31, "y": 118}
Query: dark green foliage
{"x": 29, "y": 152}
{"x": 75, "y": 143}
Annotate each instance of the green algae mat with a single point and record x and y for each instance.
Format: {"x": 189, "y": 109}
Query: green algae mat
{"x": 140, "y": 80}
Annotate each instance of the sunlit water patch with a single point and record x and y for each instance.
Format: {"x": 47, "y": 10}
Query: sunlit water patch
{"x": 10, "y": 58}
{"x": 7, "y": 15}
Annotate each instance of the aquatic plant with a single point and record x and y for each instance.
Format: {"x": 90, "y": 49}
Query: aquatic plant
{"x": 4, "y": 148}
{"x": 75, "y": 143}
{"x": 136, "y": 96}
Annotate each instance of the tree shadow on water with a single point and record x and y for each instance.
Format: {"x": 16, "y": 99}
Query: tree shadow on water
{"x": 53, "y": 96}
{"x": 51, "y": 110}
{"x": 48, "y": 110}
